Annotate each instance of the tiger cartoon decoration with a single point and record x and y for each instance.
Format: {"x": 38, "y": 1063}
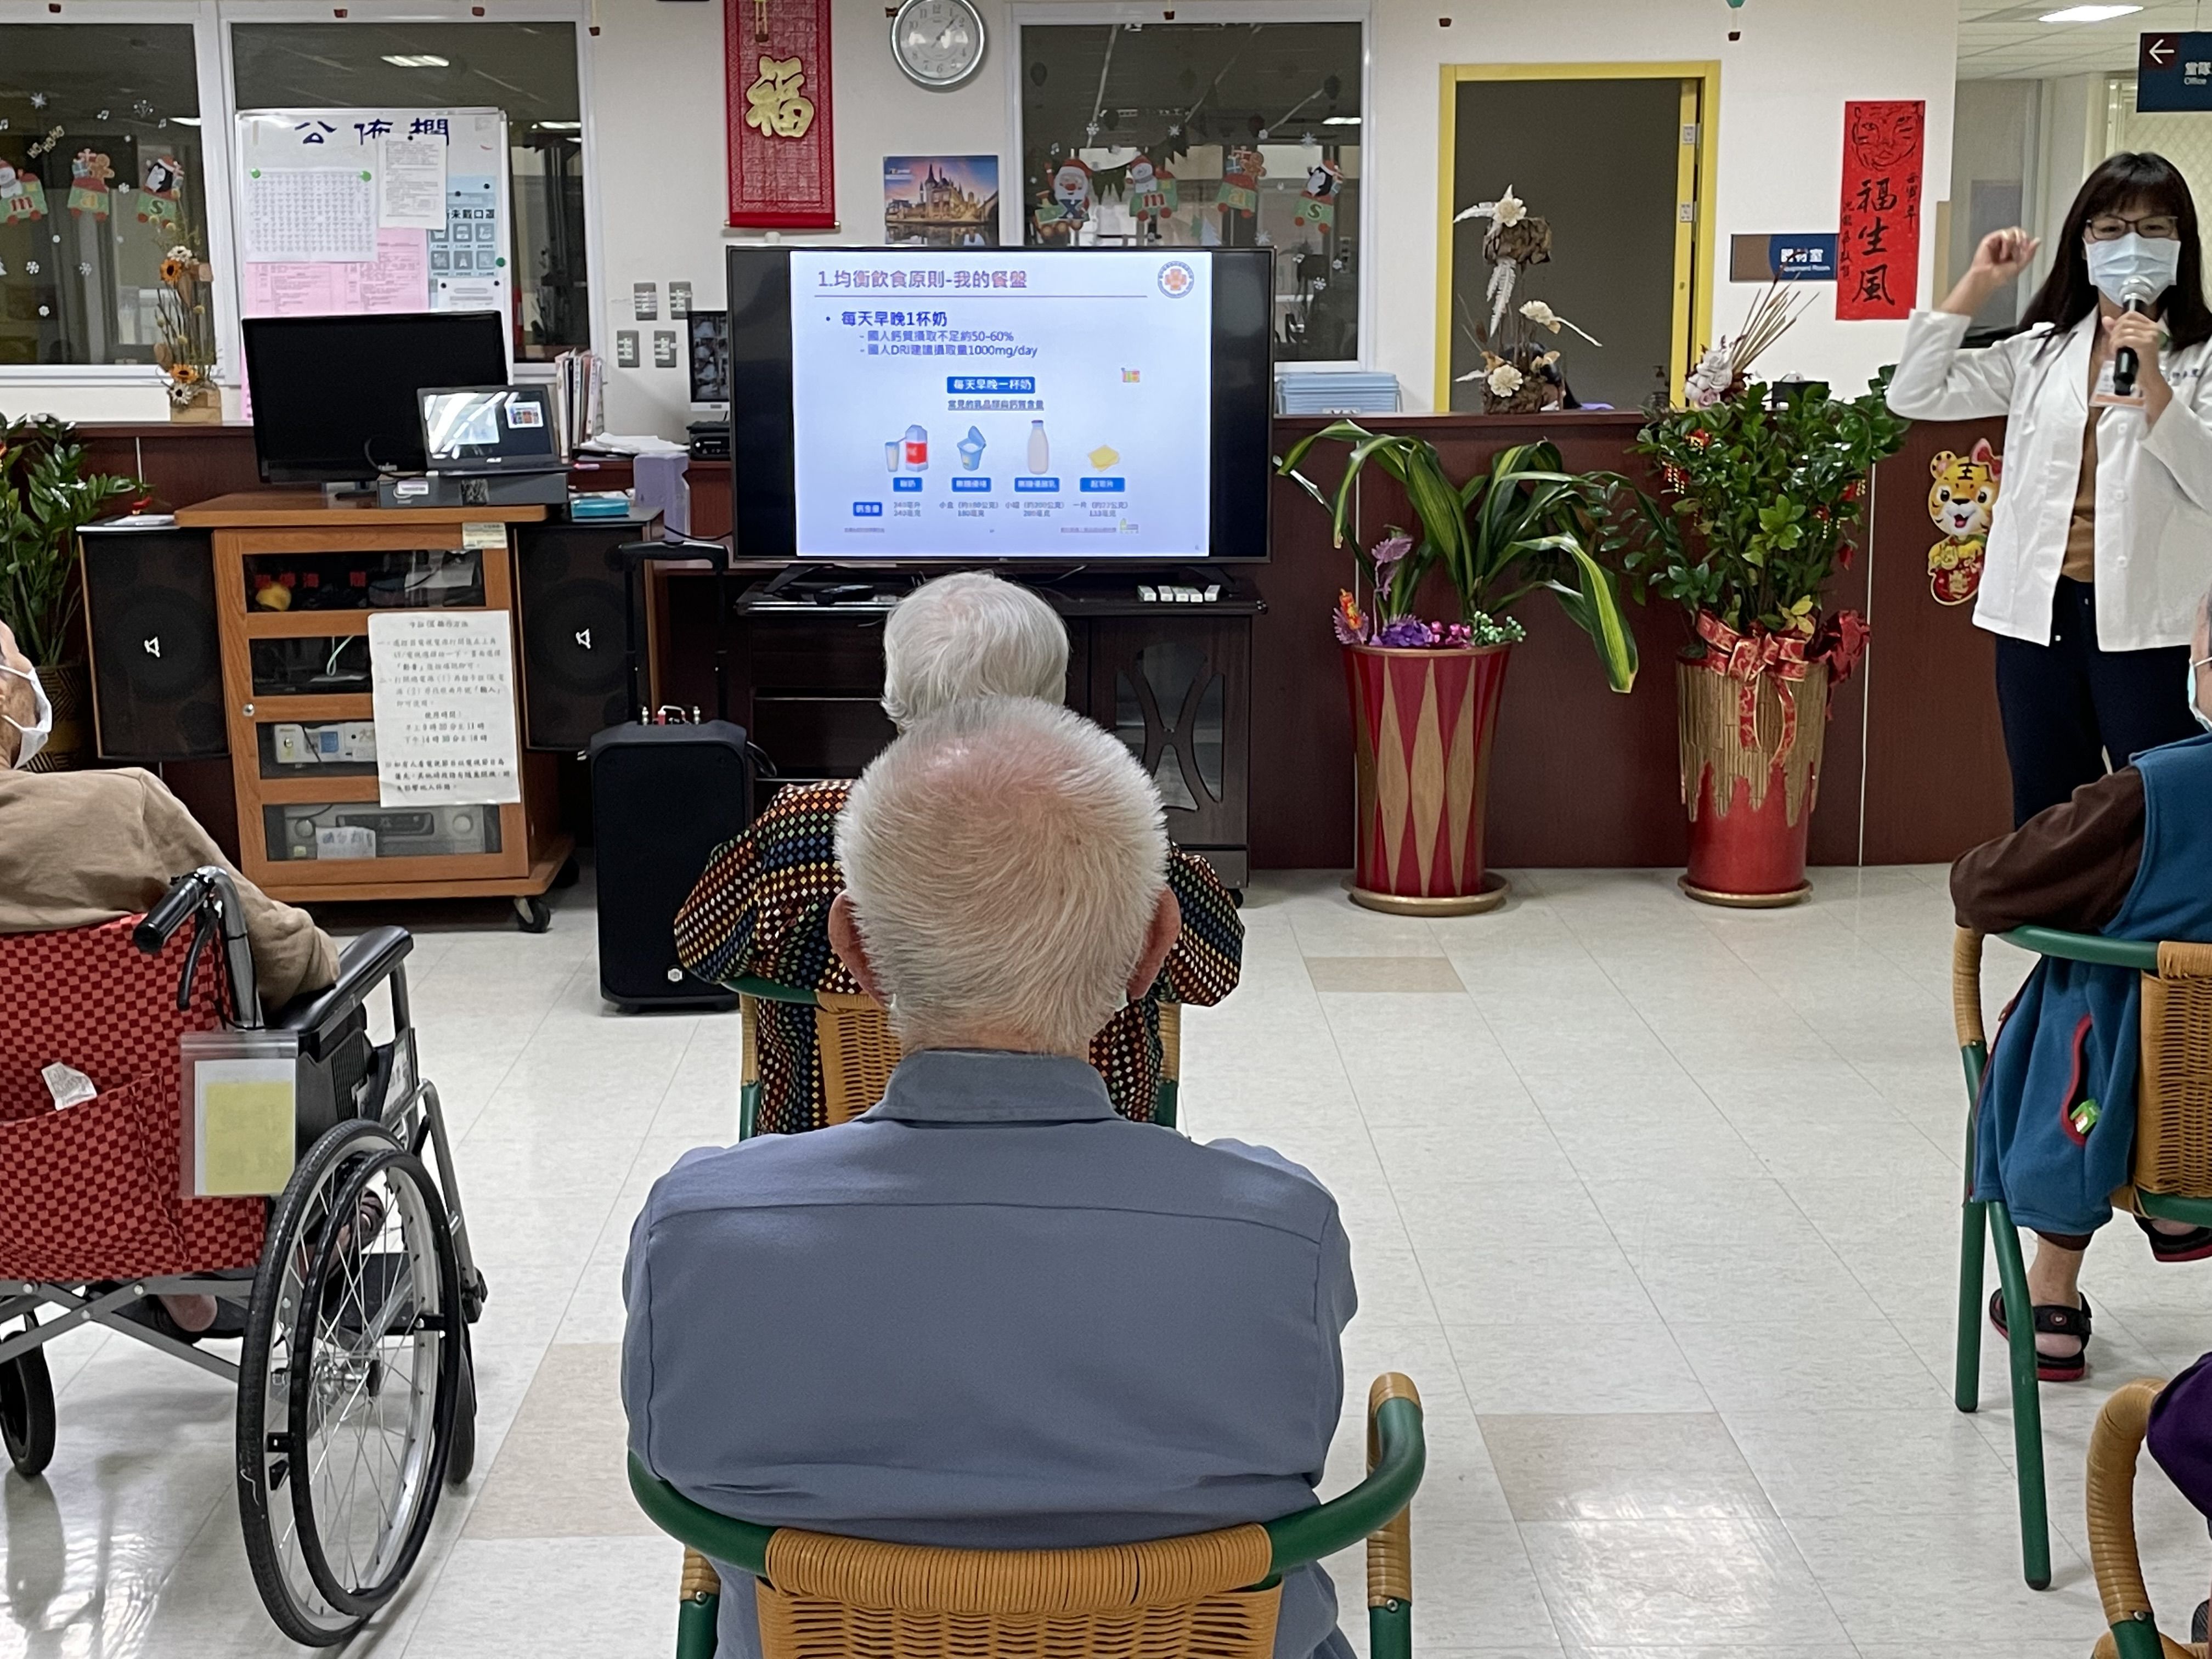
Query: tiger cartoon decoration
{"x": 1960, "y": 502}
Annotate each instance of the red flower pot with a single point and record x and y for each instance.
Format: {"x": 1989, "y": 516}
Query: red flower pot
{"x": 1422, "y": 723}
{"x": 1751, "y": 775}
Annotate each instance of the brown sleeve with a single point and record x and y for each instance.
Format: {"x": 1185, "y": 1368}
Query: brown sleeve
{"x": 290, "y": 953}
{"x": 2068, "y": 866}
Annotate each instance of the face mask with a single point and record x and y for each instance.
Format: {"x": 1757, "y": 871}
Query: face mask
{"x": 2203, "y": 719}
{"x": 42, "y": 721}
{"x": 2155, "y": 259}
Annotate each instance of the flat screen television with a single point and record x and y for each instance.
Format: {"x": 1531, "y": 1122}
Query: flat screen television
{"x": 335, "y": 397}
{"x": 996, "y": 404}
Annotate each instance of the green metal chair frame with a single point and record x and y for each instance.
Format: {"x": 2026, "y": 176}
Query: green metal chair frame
{"x": 767, "y": 990}
{"x": 1374, "y": 1509}
{"x": 1993, "y": 1218}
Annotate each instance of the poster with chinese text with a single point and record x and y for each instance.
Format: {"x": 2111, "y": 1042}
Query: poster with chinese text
{"x": 1878, "y": 230}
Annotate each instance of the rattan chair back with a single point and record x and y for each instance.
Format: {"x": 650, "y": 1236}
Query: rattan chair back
{"x": 1178, "y": 1598}
{"x": 2173, "y": 1103}
{"x": 2114, "y": 1444}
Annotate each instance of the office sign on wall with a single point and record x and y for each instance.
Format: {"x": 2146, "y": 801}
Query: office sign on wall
{"x": 1783, "y": 256}
{"x": 2173, "y": 72}
{"x": 1878, "y": 227}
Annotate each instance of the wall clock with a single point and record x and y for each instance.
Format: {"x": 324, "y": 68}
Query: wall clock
{"x": 938, "y": 43}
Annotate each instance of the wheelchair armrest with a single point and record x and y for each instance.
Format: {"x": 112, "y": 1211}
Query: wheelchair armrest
{"x": 365, "y": 963}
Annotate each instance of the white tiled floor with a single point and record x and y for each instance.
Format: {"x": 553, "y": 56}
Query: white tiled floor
{"x": 1657, "y": 1204}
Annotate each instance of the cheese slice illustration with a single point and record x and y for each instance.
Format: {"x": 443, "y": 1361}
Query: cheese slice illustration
{"x": 1103, "y": 457}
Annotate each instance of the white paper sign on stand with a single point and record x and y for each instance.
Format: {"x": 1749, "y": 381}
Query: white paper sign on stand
{"x": 444, "y": 699}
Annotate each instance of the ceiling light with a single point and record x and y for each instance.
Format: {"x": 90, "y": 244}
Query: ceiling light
{"x": 425, "y": 60}
{"x": 2086, "y": 13}
{"x": 1340, "y": 120}
{"x": 185, "y": 120}
{"x": 560, "y": 126}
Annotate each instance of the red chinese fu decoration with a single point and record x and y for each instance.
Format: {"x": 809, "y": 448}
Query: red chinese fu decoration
{"x": 782, "y": 165}
{"x": 1878, "y": 232}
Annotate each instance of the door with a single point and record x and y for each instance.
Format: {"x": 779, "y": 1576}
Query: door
{"x": 1609, "y": 156}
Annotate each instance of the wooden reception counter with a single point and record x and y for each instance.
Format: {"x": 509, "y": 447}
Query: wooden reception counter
{"x": 1915, "y": 766}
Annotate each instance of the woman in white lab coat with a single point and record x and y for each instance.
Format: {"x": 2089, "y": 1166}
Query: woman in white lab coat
{"x": 2101, "y": 542}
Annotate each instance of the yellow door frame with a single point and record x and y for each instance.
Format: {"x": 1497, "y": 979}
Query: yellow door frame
{"x": 1694, "y": 176}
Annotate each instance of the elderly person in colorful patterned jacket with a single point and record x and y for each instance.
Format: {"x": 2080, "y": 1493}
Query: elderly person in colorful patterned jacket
{"x": 762, "y": 907}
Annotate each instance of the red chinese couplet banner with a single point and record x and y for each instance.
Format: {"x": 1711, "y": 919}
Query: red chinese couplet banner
{"x": 782, "y": 166}
{"x": 1878, "y": 232}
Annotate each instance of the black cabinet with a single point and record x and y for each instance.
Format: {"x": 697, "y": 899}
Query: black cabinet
{"x": 1171, "y": 680}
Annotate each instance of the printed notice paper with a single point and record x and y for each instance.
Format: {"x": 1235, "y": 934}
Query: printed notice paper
{"x": 238, "y": 1134}
{"x": 310, "y": 213}
{"x": 410, "y": 184}
{"x": 445, "y": 708}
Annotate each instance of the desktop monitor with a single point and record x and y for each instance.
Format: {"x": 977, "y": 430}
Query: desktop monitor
{"x": 1001, "y": 404}
{"x": 336, "y": 399}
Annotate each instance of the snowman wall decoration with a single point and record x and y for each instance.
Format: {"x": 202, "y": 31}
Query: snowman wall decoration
{"x": 22, "y": 197}
{"x": 89, "y": 171}
{"x": 1317, "y": 206}
{"x": 1151, "y": 191}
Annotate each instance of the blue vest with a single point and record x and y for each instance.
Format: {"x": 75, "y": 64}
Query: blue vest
{"x": 2058, "y": 1113}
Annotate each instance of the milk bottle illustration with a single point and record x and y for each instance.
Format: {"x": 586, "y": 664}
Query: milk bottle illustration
{"x": 1040, "y": 448}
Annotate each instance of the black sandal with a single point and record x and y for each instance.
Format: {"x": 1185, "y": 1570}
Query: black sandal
{"x": 2195, "y": 1245}
{"x": 2053, "y": 1320}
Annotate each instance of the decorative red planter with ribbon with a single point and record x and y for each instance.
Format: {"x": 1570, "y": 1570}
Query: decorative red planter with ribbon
{"x": 1422, "y": 725}
{"x": 1754, "y": 712}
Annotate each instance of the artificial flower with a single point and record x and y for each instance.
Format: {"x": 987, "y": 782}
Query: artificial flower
{"x": 1351, "y": 626}
{"x": 1388, "y": 551}
{"x": 1510, "y": 209}
{"x": 1543, "y": 317}
{"x": 172, "y": 270}
{"x": 1504, "y": 380}
{"x": 1405, "y": 631}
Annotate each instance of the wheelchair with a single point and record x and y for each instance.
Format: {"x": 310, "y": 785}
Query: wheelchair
{"x": 357, "y": 1398}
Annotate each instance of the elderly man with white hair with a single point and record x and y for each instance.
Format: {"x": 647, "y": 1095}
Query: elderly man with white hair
{"x": 762, "y": 907}
{"x": 2130, "y": 856}
{"x": 990, "y": 1313}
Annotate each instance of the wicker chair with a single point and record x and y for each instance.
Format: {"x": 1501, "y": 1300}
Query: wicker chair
{"x": 858, "y": 1051}
{"x": 2171, "y": 1172}
{"x": 2114, "y": 1445}
{"x": 1208, "y": 1595}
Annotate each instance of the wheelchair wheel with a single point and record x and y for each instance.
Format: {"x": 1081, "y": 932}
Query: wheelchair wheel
{"x": 338, "y": 1481}
{"x": 27, "y": 1412}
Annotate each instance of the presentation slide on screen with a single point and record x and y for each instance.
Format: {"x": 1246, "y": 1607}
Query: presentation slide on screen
{"x": 998, "y": 405}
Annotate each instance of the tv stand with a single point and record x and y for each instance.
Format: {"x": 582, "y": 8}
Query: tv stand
{"x": 1171, "y": 679}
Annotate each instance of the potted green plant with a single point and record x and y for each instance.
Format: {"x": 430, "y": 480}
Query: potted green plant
{"x": 46, "y": 497}
{"x": 1425, "y": 694}
{"x": 1770, "y": 482}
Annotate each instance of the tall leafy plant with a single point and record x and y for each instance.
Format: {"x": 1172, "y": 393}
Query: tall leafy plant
{"x": 1771, "y": 493}
{"x": 46, "y": 497}
{"x": 1522, "y": 524}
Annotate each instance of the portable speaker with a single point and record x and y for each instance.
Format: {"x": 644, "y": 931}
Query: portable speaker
{"x": 573, "y": 679}
{"x": 663, "y": 799}
{"x": 156, "y": 660}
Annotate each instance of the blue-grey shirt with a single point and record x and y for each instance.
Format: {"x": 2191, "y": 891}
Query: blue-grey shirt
{"x": 991, "y": 1313}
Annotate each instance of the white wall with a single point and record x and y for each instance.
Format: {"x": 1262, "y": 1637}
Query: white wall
{"x": 655, "y": 107}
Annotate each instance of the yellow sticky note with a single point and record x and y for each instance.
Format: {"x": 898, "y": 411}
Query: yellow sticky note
{"x": 245, "y": 1142}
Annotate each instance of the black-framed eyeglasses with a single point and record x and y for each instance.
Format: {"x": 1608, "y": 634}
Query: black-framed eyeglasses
{"x": 2110, "y": 227}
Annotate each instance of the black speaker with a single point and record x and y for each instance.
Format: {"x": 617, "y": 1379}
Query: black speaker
{"x": 663, "y": 799}
{"x": 156, "y": 660}
{"x": 573, "y": 679}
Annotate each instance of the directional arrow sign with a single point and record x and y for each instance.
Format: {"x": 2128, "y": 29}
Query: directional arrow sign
{"x": 2174, "y": 72}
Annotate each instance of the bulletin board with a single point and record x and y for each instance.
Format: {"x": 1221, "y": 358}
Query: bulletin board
{"x": 352, "y": 211}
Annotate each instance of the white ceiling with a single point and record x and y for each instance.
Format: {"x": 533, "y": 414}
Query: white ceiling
{"x": 1998, "y": 39}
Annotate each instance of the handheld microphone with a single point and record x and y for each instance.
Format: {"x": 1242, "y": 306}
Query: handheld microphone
{"x": 2135, "y": 296}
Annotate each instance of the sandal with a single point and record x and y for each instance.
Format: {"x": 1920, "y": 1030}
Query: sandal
{"x": 2195, "y": 1245}
{"x": 2053, "y": 1320}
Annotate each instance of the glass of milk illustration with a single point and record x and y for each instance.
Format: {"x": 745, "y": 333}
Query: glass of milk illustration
{"x": 917, "y": 448}
{"x": 971, "y": 451}
{"x": 1040, "y": 448}
{"x": 891, "y": 456}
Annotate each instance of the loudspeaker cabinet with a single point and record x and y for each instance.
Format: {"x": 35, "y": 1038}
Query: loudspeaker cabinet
{"x": 294, "y": 581}
{"x": 156, "y": 653}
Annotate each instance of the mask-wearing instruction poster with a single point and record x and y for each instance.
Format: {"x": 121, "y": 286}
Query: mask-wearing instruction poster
{"x": 994, "y": 405}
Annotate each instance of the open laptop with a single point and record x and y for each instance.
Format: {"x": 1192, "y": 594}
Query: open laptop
{"x": 489, "y": 430}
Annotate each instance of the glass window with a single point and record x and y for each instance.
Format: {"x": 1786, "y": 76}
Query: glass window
{"x": 527, "y": 69}
{"x": 1205, "y": 134}
{"x": 100, "y": 176}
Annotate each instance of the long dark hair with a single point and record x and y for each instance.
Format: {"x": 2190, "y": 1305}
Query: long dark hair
{"x": 2068, "y": 295}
